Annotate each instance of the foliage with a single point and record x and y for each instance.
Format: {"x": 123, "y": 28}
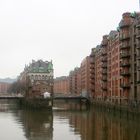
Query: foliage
{"x": 17, "y": 87}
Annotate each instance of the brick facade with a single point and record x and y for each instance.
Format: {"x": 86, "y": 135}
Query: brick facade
{"x": 61, "y": 85}
{"x": 111, "y": 73}
{"x": 4, "y": 87}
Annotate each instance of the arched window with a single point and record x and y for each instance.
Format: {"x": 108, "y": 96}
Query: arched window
{"x": 32, "y": 77}
{"x": 43, "y": 77}
{"x": 36, "y": 77}
{"x": 46, "y": 77}
{"x": 39, "y": 77}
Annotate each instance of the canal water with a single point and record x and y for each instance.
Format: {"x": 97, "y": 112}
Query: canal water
{"x": 67, "y": 121}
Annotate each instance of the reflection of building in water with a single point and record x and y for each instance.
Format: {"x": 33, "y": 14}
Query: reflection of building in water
{"x": 103, "y": 126}
{"x": 69, "y": 105}
{"x": 97, "y": 125}
{"x": 38, "y": 125}
{"x": 6, "y": 104}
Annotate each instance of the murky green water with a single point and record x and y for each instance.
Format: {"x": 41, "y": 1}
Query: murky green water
{"x": 66, "y": 122}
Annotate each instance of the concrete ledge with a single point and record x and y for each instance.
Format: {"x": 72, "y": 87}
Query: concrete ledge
{"x": 120, "y": 108}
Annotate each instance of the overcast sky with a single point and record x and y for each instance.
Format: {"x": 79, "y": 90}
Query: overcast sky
{"x": 61, "y": 30}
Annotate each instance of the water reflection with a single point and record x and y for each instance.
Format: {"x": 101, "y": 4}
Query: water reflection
{"x": 110, "y": 126}
{"x": 96, "y": 124}
{"x": 6, "y": 104}
{"x": 38, "y": 125}
{"x": 71, "y": 105}
{"x": 75, "y": 124}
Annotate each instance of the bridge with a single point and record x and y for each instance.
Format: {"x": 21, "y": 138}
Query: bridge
{"x": 55, "y": 97}
{"x": 76, "y": 101}
{"x": 82, "y": 100}
{"x": 72, "y": 97}
{"x": 11, "y": 96}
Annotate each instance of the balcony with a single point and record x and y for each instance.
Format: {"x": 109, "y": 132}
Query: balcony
{"x": 104, "y": 41}
{"x": 138, "y": 22}
{"x": 127, "y": 46}
{"x": 125, "y": 85}
{"x": 92, "y": 62}
{"x": 124, "y": 64}
{"x": 92, "y": 55}
{"x": 104, "y": 72}
{"x": 92, "y": 81}
{"x": 104, "y": 88}
{"x": 137, "y": 33}
{"x": 92, "y": 66}
{"x": 104, "y": 59}
{"x": 124, "y": 55}
{"x": 138, "y": 45}
{"x": 124, "y": 23}
{"x": 92, "y": 72}
{"x": 104, "y": 78}
{"x": 125, "y": 73}
{"x": 138, "y": 25}
{"x": 92, "y": 77}
{"x": 138, "y": 57}
{"x": 138, "y": 68}
{"x": 104, "y": 65}
{"x": 104, "y": 52}
{"x": 124, "y": 36}
{"x": 138, "y": 36}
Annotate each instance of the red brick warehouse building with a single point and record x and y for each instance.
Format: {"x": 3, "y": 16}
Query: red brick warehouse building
{"x": 4, "y": 87}
{"x": 61, "y": 85}
{"x": 111, "y": 73}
